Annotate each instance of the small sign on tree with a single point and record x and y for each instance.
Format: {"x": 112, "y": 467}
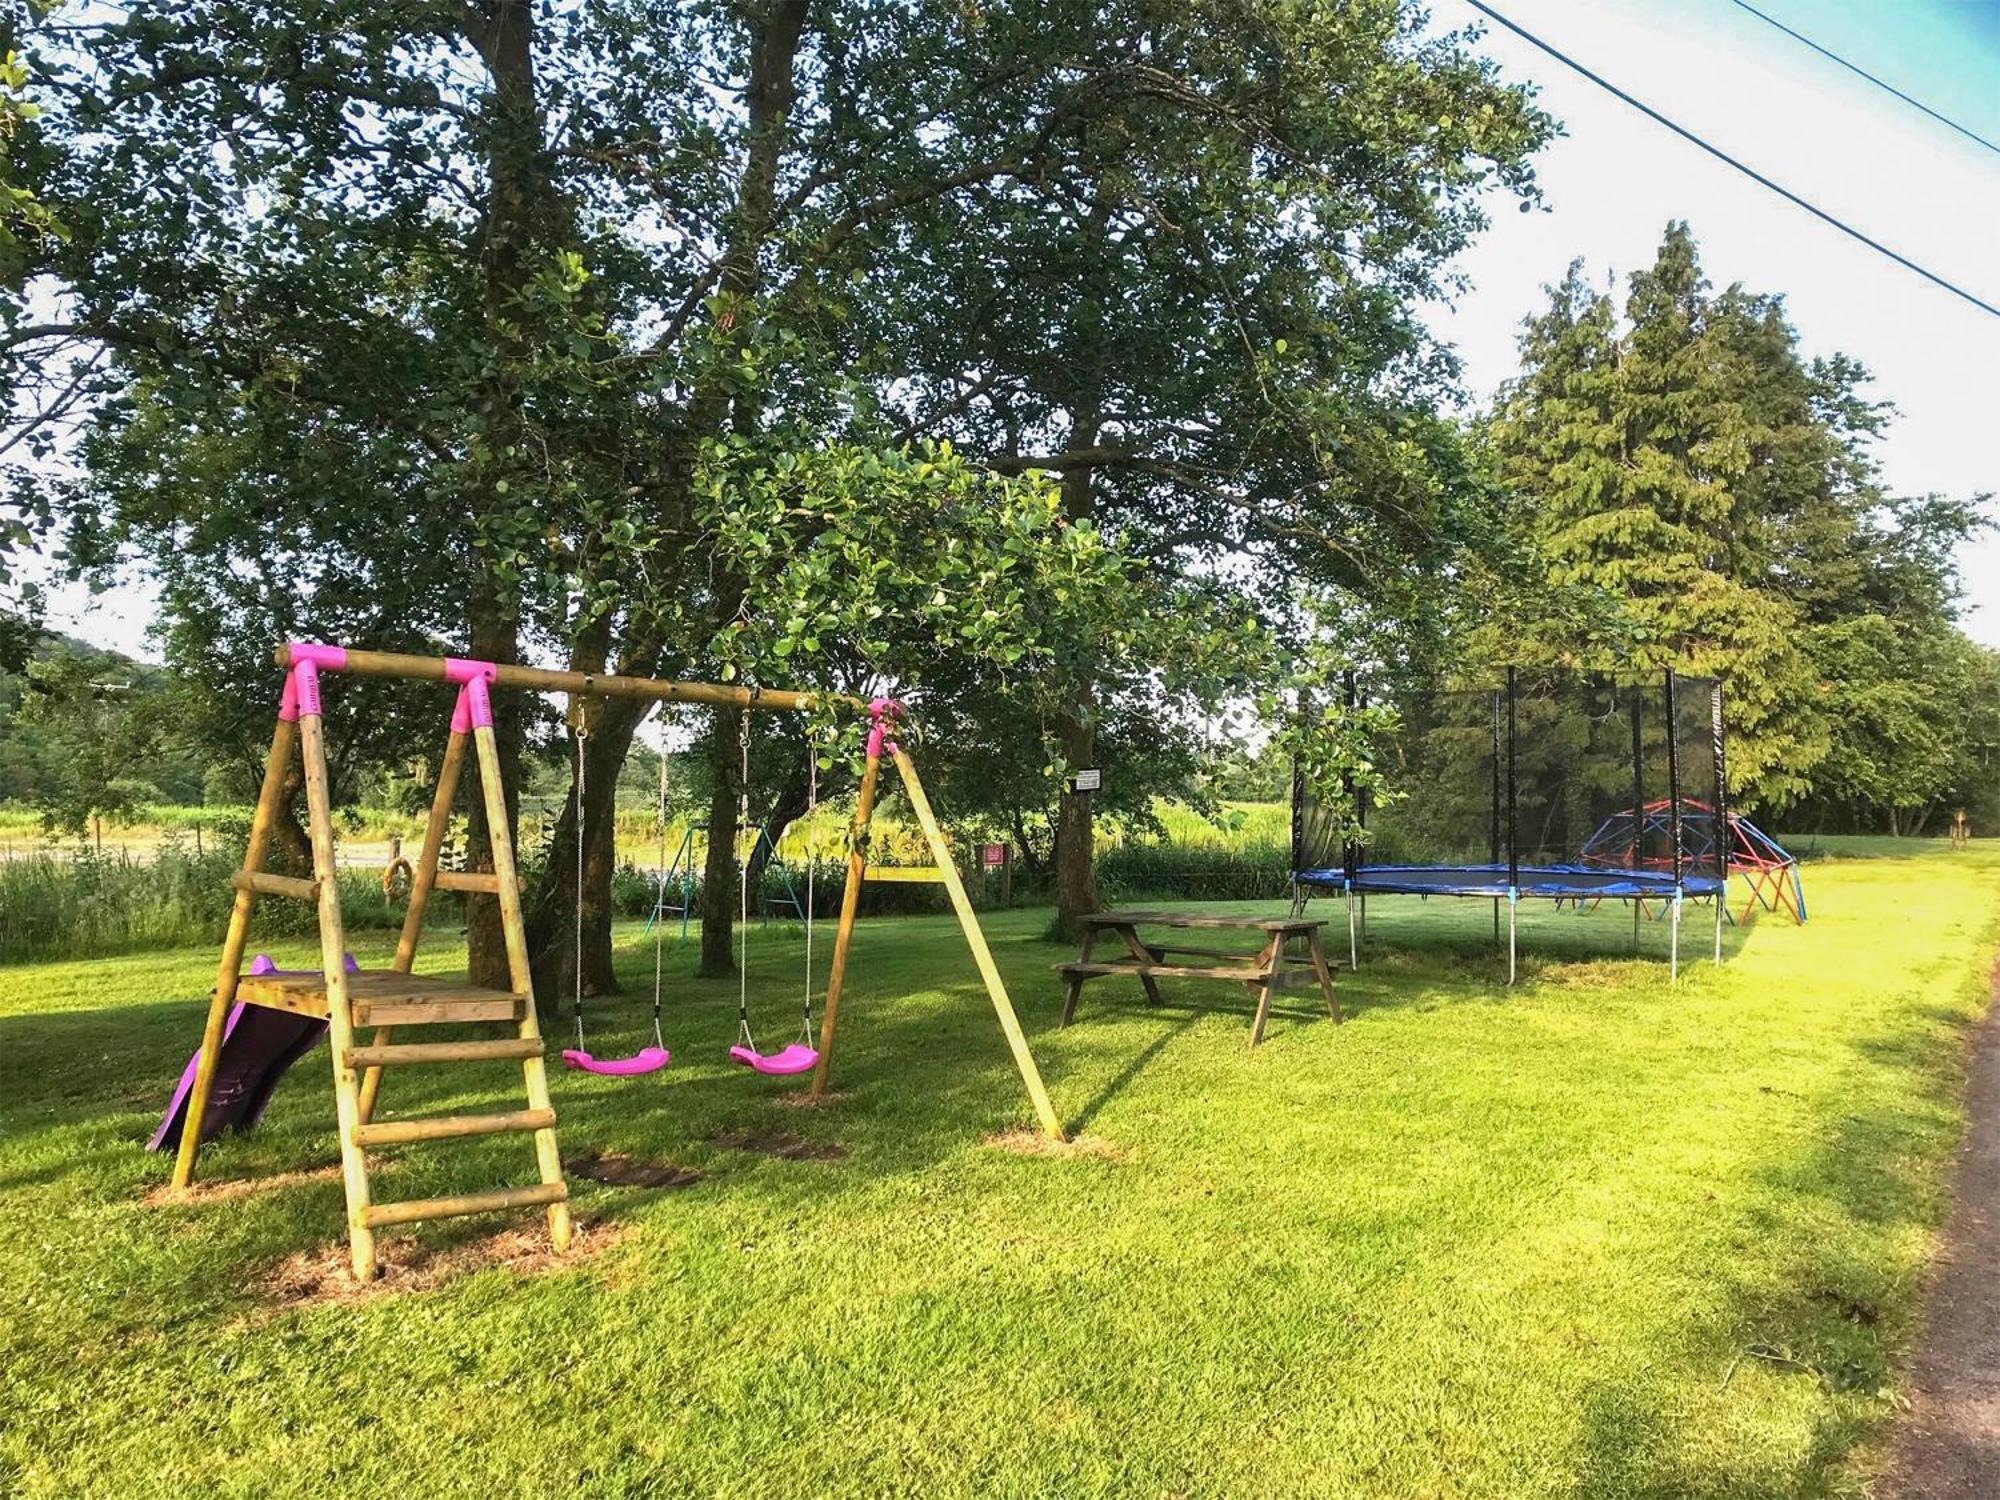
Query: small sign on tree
{"x": 1086, "y": 781}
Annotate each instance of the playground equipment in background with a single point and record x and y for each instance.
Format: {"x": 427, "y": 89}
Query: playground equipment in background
{"x": 1634, "y": 838}
{"x": 1500, "y": 810}
{"x": 677, "y": 880}
{"x": 345, "y": 1001}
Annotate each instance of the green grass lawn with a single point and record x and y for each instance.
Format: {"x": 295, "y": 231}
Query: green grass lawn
{"x": 1590, "y": 1236}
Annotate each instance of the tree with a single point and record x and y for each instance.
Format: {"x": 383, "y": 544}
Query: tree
{"x": 510, "y": 271}
{"x": 1689, "y": 466}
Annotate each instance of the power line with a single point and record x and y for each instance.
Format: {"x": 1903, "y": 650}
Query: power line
{"x": 1723, "y": 156}
{"x": 1884, "y": 85}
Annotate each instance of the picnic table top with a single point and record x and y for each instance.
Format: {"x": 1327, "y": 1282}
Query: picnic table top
{"x": 1199, "y": 919}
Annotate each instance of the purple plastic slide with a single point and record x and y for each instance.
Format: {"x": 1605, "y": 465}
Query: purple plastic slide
{"x": 258, "y": 1044}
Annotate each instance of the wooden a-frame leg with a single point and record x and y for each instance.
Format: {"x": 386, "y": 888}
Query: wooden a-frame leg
{"x": 500, "y": 838}
{"x": 1272, "y": 959}
{"x": 422, "y": 880}
{"x": 843, "y": 938}
{"x": 227, "y": 971}
{"x": 982, "y": 956}
{"x": 340, "y": 1017}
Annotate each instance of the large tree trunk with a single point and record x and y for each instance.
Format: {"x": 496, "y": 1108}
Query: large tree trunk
{"x": 719, "y": 892}
{"x": 552, "y": 915}
{"x": 1076, "y": 861}
{"x": 1076, "y": 835}
{"x": 520, "y": 218}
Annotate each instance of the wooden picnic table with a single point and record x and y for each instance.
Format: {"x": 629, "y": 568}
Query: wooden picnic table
{"x": 1271, "y": 968}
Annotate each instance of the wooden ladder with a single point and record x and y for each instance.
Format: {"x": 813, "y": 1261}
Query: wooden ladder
{"x": 394, "y": 998}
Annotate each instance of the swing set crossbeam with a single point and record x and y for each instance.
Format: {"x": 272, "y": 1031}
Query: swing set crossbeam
{"x": 582, "y": 684}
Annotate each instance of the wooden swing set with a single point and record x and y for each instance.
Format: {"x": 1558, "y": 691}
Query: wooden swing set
{"x": 387, "y": 1000}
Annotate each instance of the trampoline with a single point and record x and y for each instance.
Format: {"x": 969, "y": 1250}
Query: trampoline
{"x": 1545, "y": 787}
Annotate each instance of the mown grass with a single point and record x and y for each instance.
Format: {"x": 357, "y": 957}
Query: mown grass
{"x": 1590, "y": 1236}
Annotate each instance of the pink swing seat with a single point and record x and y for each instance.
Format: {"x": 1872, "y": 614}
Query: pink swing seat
{"x": 797, "y": 1058}
{"x": 646, "y": 1060}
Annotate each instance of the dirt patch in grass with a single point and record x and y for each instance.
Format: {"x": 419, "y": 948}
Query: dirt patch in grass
{"x": 615, "y": 1169}
{"x": 779, "y": 1143}
{"x": 803, "y": 1099}
{"x": 200, "y": 1194}
{"x": 1025, "y": 1140}
{"x": 322, "y": 1276}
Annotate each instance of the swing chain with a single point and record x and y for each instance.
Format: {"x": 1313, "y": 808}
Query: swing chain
{"x": 743, "y": 877}
{"x": 581, "y": 729}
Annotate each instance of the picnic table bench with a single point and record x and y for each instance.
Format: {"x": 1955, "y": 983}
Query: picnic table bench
{"x": 1271, "y": 968}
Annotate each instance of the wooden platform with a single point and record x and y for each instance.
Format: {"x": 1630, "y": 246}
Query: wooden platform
{"x": 383, "y": 998}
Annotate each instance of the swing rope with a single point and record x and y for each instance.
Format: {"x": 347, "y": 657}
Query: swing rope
{"x": 743, "y": 1036}
{"x": 812, "y": 869}
{"x": 647, "y": 1059}
{"x": 659, "y": 945}
{"x": 800, "y": 1055}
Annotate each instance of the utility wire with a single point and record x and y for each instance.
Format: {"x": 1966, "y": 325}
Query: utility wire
{"x": 1830, "y": 56}
{"x": 1723, "y": 156}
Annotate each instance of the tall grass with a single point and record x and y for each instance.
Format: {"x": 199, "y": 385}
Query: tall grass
{"x": 90, "y": 905}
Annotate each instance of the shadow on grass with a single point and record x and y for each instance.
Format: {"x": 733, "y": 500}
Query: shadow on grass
{"x": 1841, "y": 1315}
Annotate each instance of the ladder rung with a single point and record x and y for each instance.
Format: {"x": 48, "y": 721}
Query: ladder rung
{"x": 376, "y": 1215}
{"x": 443, "y": 1052}
{"x": 444, "y": 1127}
{"x": 478, "y": 882}
{"x": 275, "y": 885}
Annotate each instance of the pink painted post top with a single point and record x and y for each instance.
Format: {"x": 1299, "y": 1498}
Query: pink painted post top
{"x": 882, "y": 716}
{"x": 474, "y": 709}
{"x": 301, "y": 693}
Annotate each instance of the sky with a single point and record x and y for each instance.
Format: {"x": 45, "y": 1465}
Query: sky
{"x": 1615, "y": 179}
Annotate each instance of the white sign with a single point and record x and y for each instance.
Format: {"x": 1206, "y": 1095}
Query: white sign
{"x": 1086, "y": 781}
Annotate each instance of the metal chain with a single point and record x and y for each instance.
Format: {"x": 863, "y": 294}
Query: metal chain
{"x": 743, "y": 881}
{"x": 576, "y": 1004}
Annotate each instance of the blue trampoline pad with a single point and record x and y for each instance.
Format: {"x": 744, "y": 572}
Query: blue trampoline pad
{"x": 1555, "y": 882}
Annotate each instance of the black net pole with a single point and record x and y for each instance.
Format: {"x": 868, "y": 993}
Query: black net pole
{"x": 1493, "y": 807}
{"x": 1638, "y": 805}
{"x": 1513, "y": 796}
{"x": 1350, "y": 852}
{"x": 1299, "y": 797}
{"x": 1638, "y": 785}
{"x": 1673, "y": 780}
{"x": 1513, "y": 827}
{"x": 1674, "y": 821}
{"x": 1724, "y": 834}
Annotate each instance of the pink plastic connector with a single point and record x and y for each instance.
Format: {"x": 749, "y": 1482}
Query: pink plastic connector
{"x": 288, "y": 700}
{"x": 326, "y": 658}
{"x": 478, "y": 703}
{"x": 463, "y": 669}
{"x": 304, "y": 689}
{"x": 883, "y": 714}
{"x": 474, "y": 709}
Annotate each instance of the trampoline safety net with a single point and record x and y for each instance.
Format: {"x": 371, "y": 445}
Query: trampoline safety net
{"x": 1548, "y": 782}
